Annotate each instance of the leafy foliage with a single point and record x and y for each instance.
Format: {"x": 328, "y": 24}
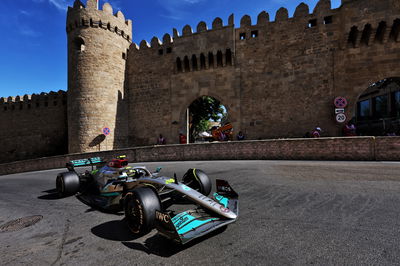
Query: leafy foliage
{"x": 202, "y": 111}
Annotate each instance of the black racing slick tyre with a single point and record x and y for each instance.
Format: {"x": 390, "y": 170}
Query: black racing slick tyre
{"x": 198, "y": 180}
{"x": 140, "y": 207}
{"x": 67, "y": 183}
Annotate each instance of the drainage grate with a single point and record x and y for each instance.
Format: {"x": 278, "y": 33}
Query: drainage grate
{"x": 20, "y": 223}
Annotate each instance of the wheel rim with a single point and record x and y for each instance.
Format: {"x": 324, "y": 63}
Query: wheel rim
{"x": 134, "y": 214}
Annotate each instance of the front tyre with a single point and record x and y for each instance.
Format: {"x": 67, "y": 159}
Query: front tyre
{"x": 67, "y": 184}
{"x": 140, "y": 207}
{"x": 197, "y": 180}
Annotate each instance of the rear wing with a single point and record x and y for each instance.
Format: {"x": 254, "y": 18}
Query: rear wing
{"x": 84, "y": 162}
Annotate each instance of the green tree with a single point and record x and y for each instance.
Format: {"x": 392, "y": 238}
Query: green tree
{"x": 201, "y": 112}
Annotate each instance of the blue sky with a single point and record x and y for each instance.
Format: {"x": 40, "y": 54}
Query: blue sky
{"x": 33, "y": 47}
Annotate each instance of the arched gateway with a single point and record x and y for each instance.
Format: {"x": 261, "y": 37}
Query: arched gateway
{"x": 202, "y": 117}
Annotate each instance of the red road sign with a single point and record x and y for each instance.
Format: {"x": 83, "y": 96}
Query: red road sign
{"x": 106, "y": 131}
{"x": 340, "y": 102}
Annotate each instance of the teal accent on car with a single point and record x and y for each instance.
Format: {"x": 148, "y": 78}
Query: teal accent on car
{"x": 110, "y": 194}
{"x": 177, "y": 217}
{"x": 185, "y": 222}
{"x": 193, "y": 225}
{"x": 84, "y": 162}
{"x": 221, "y": 199}
{"x": 185, "y": 187}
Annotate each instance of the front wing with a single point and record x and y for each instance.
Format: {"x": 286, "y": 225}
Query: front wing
{"x": 188, "y": 225}
{"x": 192, "y": 224}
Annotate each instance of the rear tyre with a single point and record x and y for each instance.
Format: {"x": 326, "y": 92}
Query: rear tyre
{"x": 140, "y": 207}
{"x": 67, "y": 184}
{"x": 197, "y": 180}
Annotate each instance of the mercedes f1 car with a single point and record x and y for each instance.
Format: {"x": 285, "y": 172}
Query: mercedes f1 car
{"x": 147, "y": 197}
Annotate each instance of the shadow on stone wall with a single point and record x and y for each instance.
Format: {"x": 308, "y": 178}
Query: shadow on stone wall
{"x": 97, "y": 140}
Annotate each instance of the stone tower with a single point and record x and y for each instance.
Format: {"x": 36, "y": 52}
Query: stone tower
{"x": 98, "y": 42}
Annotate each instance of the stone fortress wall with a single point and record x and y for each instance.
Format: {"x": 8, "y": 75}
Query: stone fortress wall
{"x": 33, "y": 126}
{"x": 276, "y": 78}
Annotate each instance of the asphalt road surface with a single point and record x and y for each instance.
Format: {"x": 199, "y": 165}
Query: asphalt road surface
{"x": 291, "y": 212}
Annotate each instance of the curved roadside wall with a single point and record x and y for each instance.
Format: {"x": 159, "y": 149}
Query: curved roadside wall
{"x": 350, "y": 148}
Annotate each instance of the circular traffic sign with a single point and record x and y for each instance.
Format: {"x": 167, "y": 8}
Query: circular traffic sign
{"x": 340, "y": 102}
{"x": 106, "y": 131}
{"x": 340, "y": 118}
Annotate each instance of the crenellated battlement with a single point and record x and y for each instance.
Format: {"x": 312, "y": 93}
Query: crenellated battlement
{"x": 321, "y": 15}
{"x": 43, "y": 99}
{"x": 80, "y": 16}
{"x": 187, "y": 31}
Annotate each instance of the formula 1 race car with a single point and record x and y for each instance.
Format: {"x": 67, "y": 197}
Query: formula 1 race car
{"x": 147, "y": 198}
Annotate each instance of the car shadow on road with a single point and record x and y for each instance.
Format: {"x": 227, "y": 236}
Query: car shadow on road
{"x": 51, "y": 194}
{"x": 116, "y": 230}
{"x": 163, "y": 247}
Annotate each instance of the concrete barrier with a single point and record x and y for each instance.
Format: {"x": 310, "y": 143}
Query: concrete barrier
{"x": 350, "y": 148}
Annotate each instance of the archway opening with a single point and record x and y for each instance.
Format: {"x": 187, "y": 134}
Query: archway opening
{"x": 79, "y": 44}
{"x": 207, "y": 120}
{"x": 378, "y": 109}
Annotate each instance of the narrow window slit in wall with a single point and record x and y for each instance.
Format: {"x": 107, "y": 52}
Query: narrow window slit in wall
{"x": 210, "y": 59}
{"x": 219, "y": 59}
{"x": 366, "y": 34}
{"x": 394, "y": 33}
{"x": 353, "y": 36}
{"x": 312, "y": 23}
{"x": 202, "y": 61}
{"x": 186, "y": 64}
{"x": 380, "y": 32}
{"x": 228, "y": 57}
{"x": 194, "y": 62}
{"x": 178, "y": 65}
{"x": 328, "y": 20}
{"x": 79, "y": 44}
